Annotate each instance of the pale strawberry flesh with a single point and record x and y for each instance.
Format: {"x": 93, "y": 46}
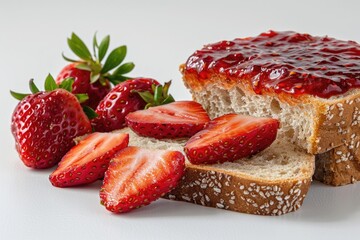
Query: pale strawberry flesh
{"x": 179, "y": 119}
{"x": 138, "y": 176}
{"x": 89, "y": 159}
{"x": 231, "y": 137}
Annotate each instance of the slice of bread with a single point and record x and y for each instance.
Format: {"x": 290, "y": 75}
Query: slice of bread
{"x": 327, "y": 127}
{"x": 272, "y": 182}
{"x": 315, "y": 124}
{"x": 340, "y": 165}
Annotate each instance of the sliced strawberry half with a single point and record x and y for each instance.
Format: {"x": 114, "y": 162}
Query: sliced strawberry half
{"x": 231, "y": 137}
{"x": 138, "y": 176}
{"x": 174, "y": 120}
{"x": 89, "y": 159}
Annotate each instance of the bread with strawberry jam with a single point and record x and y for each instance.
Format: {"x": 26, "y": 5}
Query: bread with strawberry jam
{"x": 309, "y": 83}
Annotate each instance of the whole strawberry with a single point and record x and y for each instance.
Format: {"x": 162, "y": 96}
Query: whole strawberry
{"x": 126, "y": 97}
{"x": 96, "y": 90}
{"x": 90, "y": 75}
{"x": 45, "y": 123}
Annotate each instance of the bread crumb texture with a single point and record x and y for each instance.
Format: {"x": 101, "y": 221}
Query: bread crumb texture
{"x": 326, "y": 127}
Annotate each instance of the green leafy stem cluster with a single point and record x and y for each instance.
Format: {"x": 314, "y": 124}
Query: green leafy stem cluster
{"x": 93, "y": 62}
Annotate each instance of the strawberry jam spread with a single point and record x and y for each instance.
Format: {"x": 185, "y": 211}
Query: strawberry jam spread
{"x": 287, "y": 62}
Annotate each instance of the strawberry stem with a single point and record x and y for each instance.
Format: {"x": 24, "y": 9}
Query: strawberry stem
{"x": 49, "y": 86}
{"x": 100, "y": 71}
{"x": 160, "y": 95}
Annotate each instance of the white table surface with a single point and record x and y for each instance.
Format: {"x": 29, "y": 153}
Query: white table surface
{"x": 160, "y": 35}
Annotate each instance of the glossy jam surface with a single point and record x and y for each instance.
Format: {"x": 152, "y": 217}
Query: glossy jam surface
{"x": 282, "y": 62}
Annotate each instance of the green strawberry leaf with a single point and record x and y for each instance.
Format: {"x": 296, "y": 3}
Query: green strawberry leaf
{"x": 67, "y": 84}
{"x": 82, "y": 97}
{"x": 94, "y": 77}
{"x": 50, "y": 83}
{"x": 167, "y": 100}
{"x": 158, "y": 94}
{"x": 124, "y": 68}
{"x": 104, "y": 46}
{"x": 146, "y": 96}
{"x": 83, "y": 66}
{"x": 117, "y": 79}
{"x": 90, "y": 113}
{"x": 19, "y": 96}
{"x": 114, "y": 59}
{"x": 147, "y": 106}
{"x": 166, "y": 88}
{"x": 79, "y": 47}
{"x": 33, "y": 87}
{"x": 95, "y": 45}
{"x": 68, "y": 59}
{"x": 114, "y": 81}
{"x": 153, "y": 86}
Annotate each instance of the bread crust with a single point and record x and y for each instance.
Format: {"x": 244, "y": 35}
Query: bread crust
{"x": 340, "y": 165}
{"x": 230, "y": 192}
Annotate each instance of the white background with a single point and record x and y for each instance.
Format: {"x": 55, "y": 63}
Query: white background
{"x": 160, "y": 35}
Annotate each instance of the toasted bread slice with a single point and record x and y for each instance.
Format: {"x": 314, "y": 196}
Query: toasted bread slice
{"x": 272, "y": 182}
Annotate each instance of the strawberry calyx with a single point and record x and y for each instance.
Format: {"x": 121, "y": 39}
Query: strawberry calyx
{"x": 93, "y": 62}
{"x": 159, "y": 95}
{"x": 50, "y": 85}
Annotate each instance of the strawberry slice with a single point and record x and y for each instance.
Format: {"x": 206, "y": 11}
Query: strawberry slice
{"x": 138, "y": 176}
{"x": 174, "y": 120}
{"x": 89, "y": 159}
{"x": 231, "y": 137}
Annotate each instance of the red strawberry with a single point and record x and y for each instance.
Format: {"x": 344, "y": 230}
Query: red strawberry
{"x": 44, "y": 124}
{"x": 89, "y": 159}
{"x": 138, "y": 176}
{"x": 120, "y": 101}
{"x": 96, "y": 91}
{"x": 90, "y": 75}
{"x": 231, "y": 137}
{"x": 174, "y": 120}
